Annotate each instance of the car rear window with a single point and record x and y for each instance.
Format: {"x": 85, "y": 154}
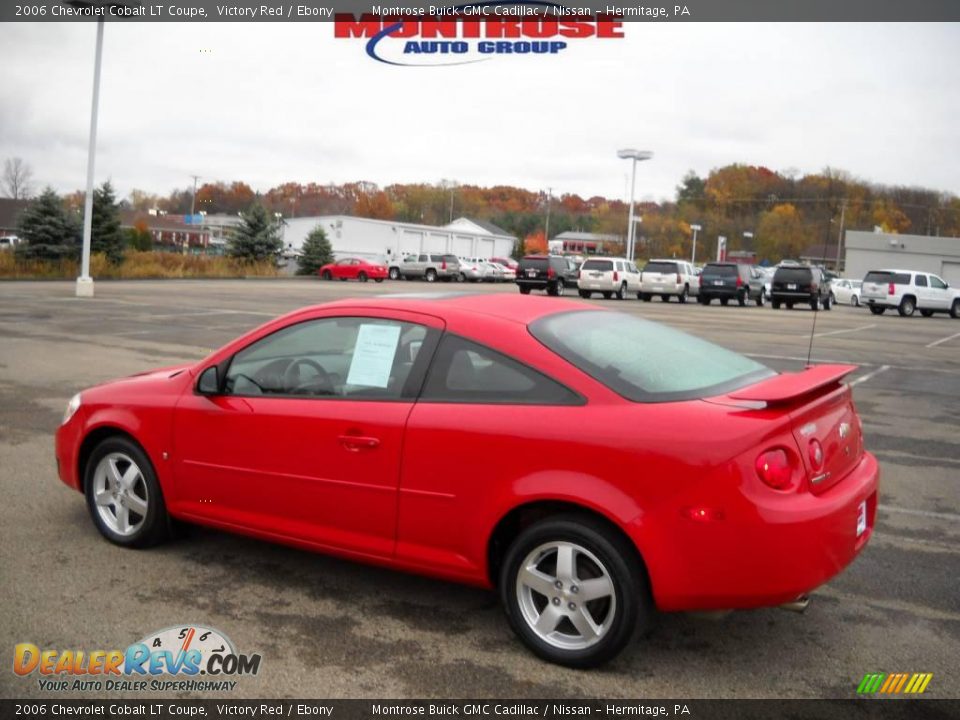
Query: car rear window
{"x": 720, "y": 270}
{"x": 451, "y": 258}
{"x": 661, "y": 267}
{"x": 602, "y": 265}
{"x": 538, "y": 263}
{"x": 881, "y": 277}
{"x": 645, "y": 361}
{"x": 794, "y": 275}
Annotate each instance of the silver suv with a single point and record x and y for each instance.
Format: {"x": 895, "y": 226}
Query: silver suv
{"x": 427, "y": 266}
{"x": 908, "y": 291}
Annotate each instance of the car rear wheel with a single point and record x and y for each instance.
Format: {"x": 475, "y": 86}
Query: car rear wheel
{"x": 761, "y": 298}
{"x": 394, "y": 273}
{"x": 907, "y": 306}
{"x": 815, "y": 304}
{"x": 431, "y": 275}
{"x": 742, "y": 299}
{"x": 572, "y": 591}
{"x": 927, "y": 313}
{"x": 123, "y": 495}
{"x": 682, "y": 297}
{"x": 855, "y": 301}
{"x": 461, "y": 277}
{"x": 326, "y": 275}
{"x": 622, "y": 292}
{"x": 362, "y": 277}
{"x": 877, "y": 310}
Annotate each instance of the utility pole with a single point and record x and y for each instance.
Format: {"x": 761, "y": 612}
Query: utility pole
{"x": 843, "y": 213}
{"x": 193, "y": 200}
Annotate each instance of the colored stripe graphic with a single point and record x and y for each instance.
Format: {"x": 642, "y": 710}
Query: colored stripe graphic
{"x": 894, "y": 683}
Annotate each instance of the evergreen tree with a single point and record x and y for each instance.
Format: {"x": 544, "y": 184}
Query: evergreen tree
{"x": 317, "y": 252}
{"x": 106, "y": 236}
{"x": 48, "y": 231}
{"x": 257, "y": 237}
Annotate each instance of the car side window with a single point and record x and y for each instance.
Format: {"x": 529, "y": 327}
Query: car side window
{"x": 937, "y": 283}
{"x": 423, "y": 258}
{"x": 343, "y": 357}
{"x": 921, "y": 281}
{"x": 467, "y": 372}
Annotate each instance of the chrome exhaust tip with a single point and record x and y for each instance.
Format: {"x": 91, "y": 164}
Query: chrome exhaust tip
{"x": 798, "y": 605}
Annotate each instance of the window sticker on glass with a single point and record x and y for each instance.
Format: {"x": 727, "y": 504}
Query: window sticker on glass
{"x": 373, "y": 355}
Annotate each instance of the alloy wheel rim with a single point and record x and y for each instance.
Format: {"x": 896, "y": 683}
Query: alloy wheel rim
{"x": 566, "y": 595}
{"x": 120, "y": 494}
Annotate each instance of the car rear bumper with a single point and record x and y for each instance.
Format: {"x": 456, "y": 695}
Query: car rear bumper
{"x": 792, "y": 296}
{"x": 760, "y": 552}
{"x": 661, "y": 288}
{"x": 597, "y": 285}
{"x": 720, "y": 292}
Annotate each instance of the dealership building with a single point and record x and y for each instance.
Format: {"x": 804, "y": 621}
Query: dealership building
{"x": 867, "y": 251}
{"x": 373, "y": 239}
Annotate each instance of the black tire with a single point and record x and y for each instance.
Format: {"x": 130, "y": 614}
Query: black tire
{"x": 742, "y": 299}
{"x": 379, "y": 280}
{"x": 724, "y": 301}
{"x": 362, "y": 277}
{"x": 907, "y": 306}
{"x": 622, "y": 292}
{"x": 559, "y": 288}
{"x": 155, "y": 524}
{"x": 646, "y": 297}
{"x": 631, "y": 608}
{"x": 394, "y": 273}
{"x": 955, "y": 309}
{"x": 326, "y": 275}
{"x": 877, "y": 310}
{"x": 815, "y": 304}
{"x": 831, "y": 299}
{"x": 927, "y": 313}
{"x": 828, "y": 303}
{"x": 761, "y": 298}
{"x": 585, "y": 294}
{"x": 430, "y": 276}
{"x": 775, "y": 304}
{"x": 461, "y": 277}
{"x": 684, "y": 294}
{"x": 855, "y": 301}
{"x": 607, "y": 295}
{"x": 524, "y": 289}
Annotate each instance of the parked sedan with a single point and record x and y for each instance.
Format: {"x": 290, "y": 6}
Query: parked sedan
{"x": 353, "y": 269}
{"x": 669, "y": 473}
{"x": 846, "y": 291}
{"x": 504, "y": 272}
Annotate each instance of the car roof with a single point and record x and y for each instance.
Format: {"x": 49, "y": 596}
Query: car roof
{"x": 522, "y": 309}
{"x": 922, "y": 272}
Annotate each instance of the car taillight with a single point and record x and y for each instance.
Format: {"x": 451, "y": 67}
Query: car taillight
{"x": 890, "y": 289}
{"x": 815, "y": 453}
{"x": 773, "y": 467}
{"x": 443, "y": 265}
{"x": 700, "y": 281}
{"x": 678, "y": 279}
{"x": 616, "y": 276}
{"x": 551, "y": 273}
{"x": 739, "y": 281}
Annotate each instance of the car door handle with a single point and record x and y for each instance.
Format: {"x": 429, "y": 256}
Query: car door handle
{"x": 356, "y": 443}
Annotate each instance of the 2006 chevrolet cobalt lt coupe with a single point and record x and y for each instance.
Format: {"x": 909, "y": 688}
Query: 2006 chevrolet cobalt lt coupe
{"x": 645, "y": 468}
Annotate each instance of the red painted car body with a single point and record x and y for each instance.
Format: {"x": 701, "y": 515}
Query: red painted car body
{"x": 353, "y": 269}
{"x": 679, "y": 479}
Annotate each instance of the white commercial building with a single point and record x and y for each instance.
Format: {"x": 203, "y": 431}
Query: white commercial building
{"x": 374, "y": 239}
{"x": 867, "y": 251}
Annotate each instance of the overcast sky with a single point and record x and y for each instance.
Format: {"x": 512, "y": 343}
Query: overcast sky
{"x": 269, "y": 103}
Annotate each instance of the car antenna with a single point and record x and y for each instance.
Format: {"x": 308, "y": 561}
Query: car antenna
{"x": 813, "y": 329}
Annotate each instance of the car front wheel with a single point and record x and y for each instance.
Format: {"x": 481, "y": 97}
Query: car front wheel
{"x": 394, "y": 273}
{"x": 123, "y": 495}
{"x": 573, "y": 592}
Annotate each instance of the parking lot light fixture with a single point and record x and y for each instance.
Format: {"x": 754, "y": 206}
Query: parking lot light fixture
{"x": 693, "y": 252}
{"x": 84, "y": 281}
{"x": 634, "y": 155}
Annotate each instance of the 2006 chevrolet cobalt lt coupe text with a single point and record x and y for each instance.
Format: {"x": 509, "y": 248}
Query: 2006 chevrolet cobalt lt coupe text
{"x": 645, "y": 468}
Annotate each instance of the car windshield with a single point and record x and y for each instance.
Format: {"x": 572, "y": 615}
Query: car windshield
{"x": 644, "y": 361}
{"x": 660, "y": 267}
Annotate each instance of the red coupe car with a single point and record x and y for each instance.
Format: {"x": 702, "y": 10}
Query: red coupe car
{"x": 649, "y": 469}
{"x": 353, "y": 269}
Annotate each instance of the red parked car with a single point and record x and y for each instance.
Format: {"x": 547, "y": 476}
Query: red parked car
{"x": 649, "y": 469}
{"x": 353, "y": 269}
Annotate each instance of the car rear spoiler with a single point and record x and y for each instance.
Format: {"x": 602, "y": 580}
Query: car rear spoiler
{"x": 789, "y": 386}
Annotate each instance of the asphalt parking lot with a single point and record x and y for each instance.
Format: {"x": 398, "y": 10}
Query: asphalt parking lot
{"x": 328, "y": 628}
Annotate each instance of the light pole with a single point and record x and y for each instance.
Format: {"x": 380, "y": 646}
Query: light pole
{"x": 634, "y": 155}
{"x": 546, "y": 229}
{"x": 693, "y": 253}
{"x": 84, "y": 281}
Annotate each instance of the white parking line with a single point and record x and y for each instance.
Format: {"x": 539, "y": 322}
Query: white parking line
{"x": 851, "y": 330}
{"x": 943, "y": 340}
{"x": 920, "y": 513}
{"x": 864, "y": 378}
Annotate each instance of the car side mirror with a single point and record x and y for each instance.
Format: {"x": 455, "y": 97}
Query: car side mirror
{"x": 209, "y": 382}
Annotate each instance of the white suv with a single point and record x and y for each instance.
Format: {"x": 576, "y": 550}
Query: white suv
{"x": 907, "y": 291}
{"x": 666, "y": 278}
{"x": 614, "y": 277}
